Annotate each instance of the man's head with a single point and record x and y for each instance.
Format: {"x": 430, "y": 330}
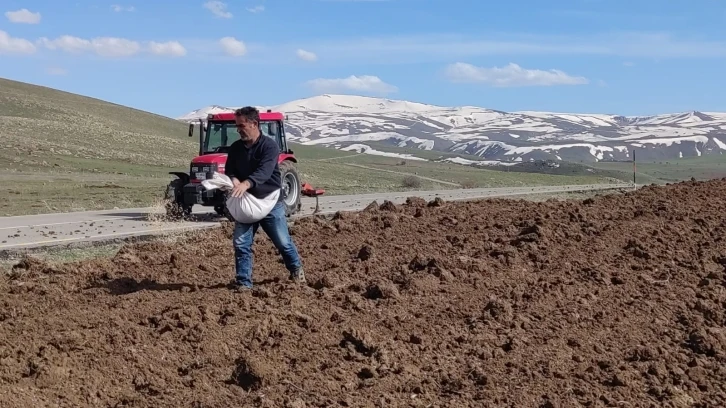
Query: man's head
{"x": 248, "y": 123}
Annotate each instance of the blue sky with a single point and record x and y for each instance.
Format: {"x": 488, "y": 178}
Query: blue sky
{"x": 634, "y": 57}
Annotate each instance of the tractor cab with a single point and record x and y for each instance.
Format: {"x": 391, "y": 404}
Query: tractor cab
{"x": 219, "y": 132}
{"x": 216, "y": 135}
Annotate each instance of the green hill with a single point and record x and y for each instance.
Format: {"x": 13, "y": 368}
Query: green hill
{"x": 65, "y": 152}
{"x": 40, "y": 123}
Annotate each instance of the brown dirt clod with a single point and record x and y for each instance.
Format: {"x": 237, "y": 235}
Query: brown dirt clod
{"x": 388, "y": 206}
{"x": 616, "y": 301}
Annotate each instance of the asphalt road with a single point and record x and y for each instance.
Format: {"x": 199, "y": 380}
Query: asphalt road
{"x": 68, "y": 228}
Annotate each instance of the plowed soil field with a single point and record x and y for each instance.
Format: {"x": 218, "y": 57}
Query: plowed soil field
{"x": 613, "y": 301}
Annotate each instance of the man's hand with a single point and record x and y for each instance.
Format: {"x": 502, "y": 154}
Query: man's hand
{"x": 239, "y": 187}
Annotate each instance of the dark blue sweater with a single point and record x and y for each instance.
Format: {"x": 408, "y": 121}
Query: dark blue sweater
{"x": 257, "y": 164}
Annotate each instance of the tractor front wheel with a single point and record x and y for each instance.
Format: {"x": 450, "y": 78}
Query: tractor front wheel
{"x": 291, "y": 187}
{"x": 222, "y": 209}
{"x": 219, "y": 209}
{"x": 175, "y": 207}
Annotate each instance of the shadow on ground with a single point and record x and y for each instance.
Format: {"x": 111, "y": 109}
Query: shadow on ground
{"x": 127, "y": 286}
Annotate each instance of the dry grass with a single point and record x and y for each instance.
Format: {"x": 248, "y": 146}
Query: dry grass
{"x": 38, "y": 125}
{"x": 411, "y": 182}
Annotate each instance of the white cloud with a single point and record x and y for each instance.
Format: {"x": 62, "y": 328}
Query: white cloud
{"x": 510, "y": 76}
{"x": 11, "y": 45}
{"x": 256, "y": 9}
{"x": 120, "y": 9}
{"x": 112, "y": 46}
{"x": 23, "y": 16}
{"x": 306, "y": 55}
{"x": 363, "y": 84}
{"x": 233, "y": 47}
{"x": 56, "y": 71}
{"x": 169, "y": 49}
{"x": 218, "y": 8}
{"x": 102, "y": 46}
{"x": 447, "y": 47}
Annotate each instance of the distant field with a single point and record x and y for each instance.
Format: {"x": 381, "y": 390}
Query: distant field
{"x": 623, "y": 173}
{"x": 658, "y": 172}
{"x": 469, "y": 176}
{"x": 701, "y": 168}
{"x": 63, "y": 152}
{"x": 347, "y": 172}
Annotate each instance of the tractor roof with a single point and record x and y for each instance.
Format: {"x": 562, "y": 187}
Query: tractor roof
{"x": 269, "y": 115}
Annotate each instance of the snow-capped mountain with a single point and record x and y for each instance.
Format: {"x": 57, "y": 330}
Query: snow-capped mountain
{"x": 342, "y": 120}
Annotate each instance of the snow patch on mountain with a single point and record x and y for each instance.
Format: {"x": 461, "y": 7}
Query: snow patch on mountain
{"x": 202, "y": 113}
{"x": 352, "y": 104}
{"x": 468, "y": 162}
{"x": 361, "y": 148}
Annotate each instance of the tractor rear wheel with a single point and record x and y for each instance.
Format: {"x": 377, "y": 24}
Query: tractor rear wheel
{"x": 174, "y": 197}
{"x": 291, "y": 187}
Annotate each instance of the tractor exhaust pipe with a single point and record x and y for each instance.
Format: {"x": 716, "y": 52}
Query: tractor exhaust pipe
{"x": 201, "y": 134}
{"x": 201, "y": 137}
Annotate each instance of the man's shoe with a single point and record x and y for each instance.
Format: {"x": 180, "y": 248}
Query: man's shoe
{"x": 240, "y": 288}
{"x": 298, "y": 276}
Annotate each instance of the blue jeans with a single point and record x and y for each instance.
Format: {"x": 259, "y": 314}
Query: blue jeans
{"x": 275, "y": 226}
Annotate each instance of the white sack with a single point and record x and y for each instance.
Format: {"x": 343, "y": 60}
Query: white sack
{"x": 246, "y": 209}
{"x": 218, "y": 181}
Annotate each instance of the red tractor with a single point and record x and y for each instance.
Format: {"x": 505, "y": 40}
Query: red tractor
{"x": 186, "y": 190}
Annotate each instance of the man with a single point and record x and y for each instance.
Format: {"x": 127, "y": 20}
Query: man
{"x": 252, "y": 166}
